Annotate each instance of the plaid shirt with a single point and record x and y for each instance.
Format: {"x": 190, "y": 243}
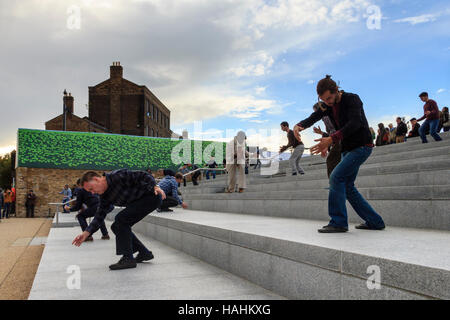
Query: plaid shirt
{"x": 124, "y": 187}
{"x": 170, "y": 187}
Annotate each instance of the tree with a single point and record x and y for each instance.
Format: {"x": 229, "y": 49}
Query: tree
{"x": 5, "y": 171}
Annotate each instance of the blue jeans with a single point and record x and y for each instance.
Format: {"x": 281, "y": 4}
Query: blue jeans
{"x": 433, "y": 126}
{"x": 342, "y": 187}
{"x": 213, "y": 174}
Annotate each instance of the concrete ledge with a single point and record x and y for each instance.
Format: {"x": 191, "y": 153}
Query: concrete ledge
{"x": 171, "y": 275}
{"x": 289, "y": 257}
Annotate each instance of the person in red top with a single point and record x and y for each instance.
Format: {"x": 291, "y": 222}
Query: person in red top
{"x": 431, "y": 113}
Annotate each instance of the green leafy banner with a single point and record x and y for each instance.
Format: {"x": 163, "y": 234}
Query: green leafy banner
{"x": 99, "y": 151}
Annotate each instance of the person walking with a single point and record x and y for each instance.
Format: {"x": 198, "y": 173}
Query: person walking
{"x": 236, "y": 154}
{"x": 298, "y": 148}
{"x": 138, "y": 193}
{"x": 7, "y": 205}
{"x": 30, "y": 203}
{"x": 431, "y": 114}
{"x": 348, "y": 117}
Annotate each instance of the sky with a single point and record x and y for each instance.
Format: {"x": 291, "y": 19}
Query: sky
{"x": 224, "y": 65}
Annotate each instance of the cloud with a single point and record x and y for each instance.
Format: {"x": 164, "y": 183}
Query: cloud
{"x": 418, "y": 19}
{"x": 203, "y": 59}
{"x": 441, "y": 90}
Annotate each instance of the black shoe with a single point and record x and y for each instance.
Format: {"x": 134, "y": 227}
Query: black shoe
{"x": 364, "y": 226}
{"x": 144, "y": 257}
{"x": 294, "y": 174}
{"x": 106, "y": 237}
{"x": 124, "y": 263}
{"x": 332, "y": 229}
{"x": 159, "y": 210}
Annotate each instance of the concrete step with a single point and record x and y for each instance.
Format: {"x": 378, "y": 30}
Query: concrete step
{"x": 404, "y": 166}
{"x": 171, "y": 275}
{"x": 289, "y": 257}
{"x": 424, "y": 178}
{"x": 306, "y": 204}
{"x": 372, "y": 193}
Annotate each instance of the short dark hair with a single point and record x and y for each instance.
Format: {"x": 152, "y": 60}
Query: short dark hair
{"x": 326, "y": 84}
{"x": 284, "y": 124}
{"x": 423, "y": 94}
{"x": 178, "y": 176}
{"x": 413, "y": 119}
{"x": 87, "y": 176}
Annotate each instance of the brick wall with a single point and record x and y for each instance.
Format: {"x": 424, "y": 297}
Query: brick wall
{"x": 46, "y": 184}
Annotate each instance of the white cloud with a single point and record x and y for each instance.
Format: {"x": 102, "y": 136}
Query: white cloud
{"x": 441, "y": 90}
{"x": 418, "y": 19}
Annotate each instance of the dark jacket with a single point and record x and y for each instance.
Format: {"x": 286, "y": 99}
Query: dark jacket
{"x": 402, "y": 129}
{"x": 124, "y": 187}
{"x": 415, "y": 131}
{"x": 30, "y": 200}
{"x": 85, "y": 197}
{"x": 353, "y": 126}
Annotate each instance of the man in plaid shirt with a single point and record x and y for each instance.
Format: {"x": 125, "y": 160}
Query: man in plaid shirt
{"x": 169, "y": 184}
{"x": 138, "y": 193}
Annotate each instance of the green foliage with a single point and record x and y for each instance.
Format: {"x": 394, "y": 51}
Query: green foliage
{"x": 98, "y": 151}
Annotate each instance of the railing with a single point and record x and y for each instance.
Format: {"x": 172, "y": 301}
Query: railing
{"x": 56, "y": 207}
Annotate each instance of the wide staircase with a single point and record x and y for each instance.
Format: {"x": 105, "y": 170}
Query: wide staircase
{"x": 268, "y": 234}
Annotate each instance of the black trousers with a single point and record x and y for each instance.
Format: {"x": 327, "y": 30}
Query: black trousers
{"x": 195, "y": 177}
{"x": 334, "y": 157}
{"x": 88, "y": 213}
{"x": 126, "y": 241}
{"x": 30, "y": 211}
{"x": 169, "y": 202}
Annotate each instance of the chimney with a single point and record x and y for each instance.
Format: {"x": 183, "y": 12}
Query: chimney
{"x": 116, "y": 70}
{"x": 68, "y": 101}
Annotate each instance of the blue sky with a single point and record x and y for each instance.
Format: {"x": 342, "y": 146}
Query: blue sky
{"x": 230, "y": 64}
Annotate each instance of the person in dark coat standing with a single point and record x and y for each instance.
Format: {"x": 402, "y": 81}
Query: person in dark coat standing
{"x": 30, "y": 203}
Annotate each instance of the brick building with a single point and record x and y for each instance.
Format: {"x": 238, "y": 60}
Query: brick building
{"x": 119, "y": 106}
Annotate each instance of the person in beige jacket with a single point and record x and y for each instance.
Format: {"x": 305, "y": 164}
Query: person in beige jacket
{"x": 235, "y": 158}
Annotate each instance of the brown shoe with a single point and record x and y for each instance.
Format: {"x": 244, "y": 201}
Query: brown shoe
{"x": 241, "y": 190}
{"x": 89, "y": 238}
{"x": 106, "y": 237}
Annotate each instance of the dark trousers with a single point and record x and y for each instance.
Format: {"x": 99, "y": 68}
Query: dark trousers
{"x": 195, "y": 177}
{"x": 126, "y": 241}
{"x": 30, "y": 211}
{"x": 334, "y": 157}
{"x": 88, "y": 213}
{"x": 169, "y": 202}
{"x": 6, "y": 209}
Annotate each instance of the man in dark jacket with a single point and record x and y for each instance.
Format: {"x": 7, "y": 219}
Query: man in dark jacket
{"x": 30, "y": 203}
{"x": 347, "y": 115}
{"x": 87, "y": 203}
{"x": 415, "y": 126}
{"x": 402, "y": 129}
{"x": 138, "y": 193}
{"x": 297, "y": 145}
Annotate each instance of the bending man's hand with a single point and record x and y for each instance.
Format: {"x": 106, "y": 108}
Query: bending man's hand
{"x": 158, "y": 190}
{"x": 322, "y": 146}
{"x": 80, "y": 238}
